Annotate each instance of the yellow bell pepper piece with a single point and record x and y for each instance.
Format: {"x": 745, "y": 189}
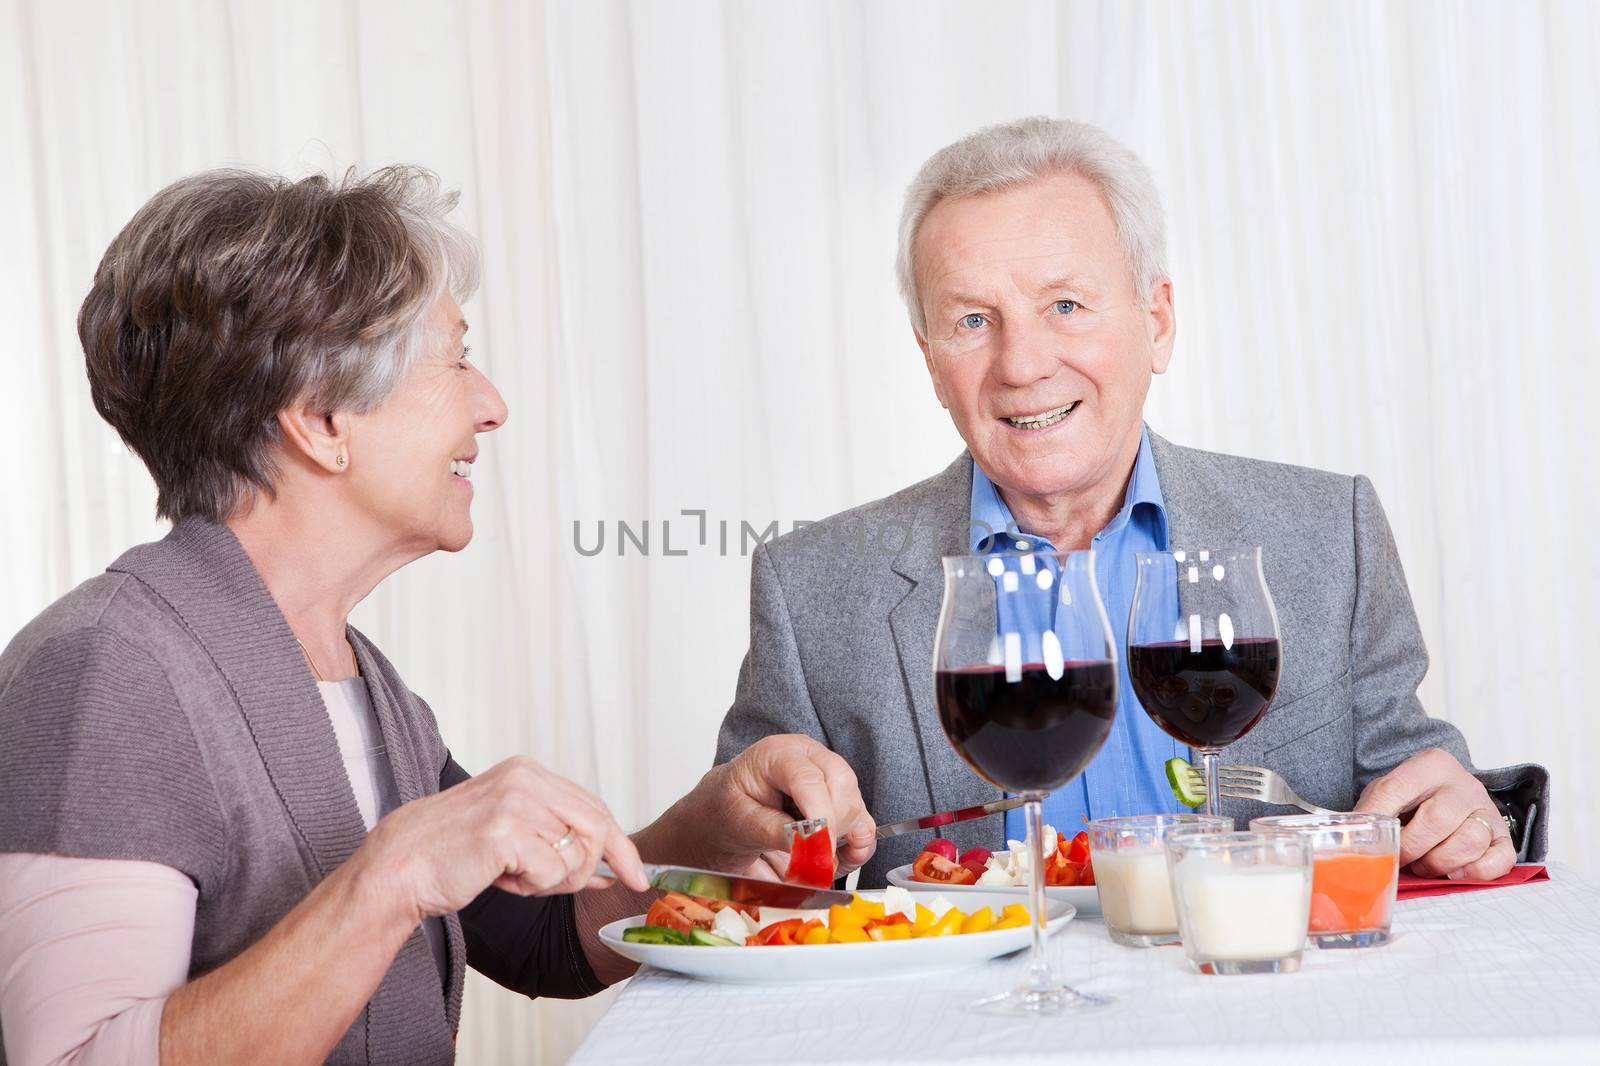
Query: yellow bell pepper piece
{"x": 891, "y": 932}
{"x": 819, "y": 935}
{"x": 1015, "y": 910}
{"x": 949, "y": 925}
{"x": 845, "y": 917}
{"x": 923, "y": 921}
{"x": 978, "y": 920}
{"x": 850, "y": 934}
{"x": 1013, "y": 917}
{"x": 867, "y": 908}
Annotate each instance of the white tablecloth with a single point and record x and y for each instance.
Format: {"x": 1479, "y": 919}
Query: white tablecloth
{"x": 1503, "y": 976}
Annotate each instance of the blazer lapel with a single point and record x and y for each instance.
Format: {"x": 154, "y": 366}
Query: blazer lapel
{"x": 204, "y": 575}
{"x": 1199, "y": 501}
{"x": 938, "y": 529}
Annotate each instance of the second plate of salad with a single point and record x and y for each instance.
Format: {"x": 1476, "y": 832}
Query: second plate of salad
{"x": 1069, "y": 873}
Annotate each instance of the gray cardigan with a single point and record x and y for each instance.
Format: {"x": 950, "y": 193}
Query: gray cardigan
{"x": 843, "y": 615}
{"x": 163, "y": 712}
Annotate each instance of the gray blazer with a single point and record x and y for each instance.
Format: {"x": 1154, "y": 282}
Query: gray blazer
{"x": 843, "y": 614}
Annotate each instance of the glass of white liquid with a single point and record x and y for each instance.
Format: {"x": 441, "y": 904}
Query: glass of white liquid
{"x": 1243, "y": 899}
{"x": 1130, "y": 873}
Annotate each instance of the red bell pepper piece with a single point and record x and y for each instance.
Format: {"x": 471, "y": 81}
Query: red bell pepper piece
{"x": 778, "y": 934}
{"x": 811, "y": 856}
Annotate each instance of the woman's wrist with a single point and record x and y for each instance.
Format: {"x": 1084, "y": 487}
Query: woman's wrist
{"x": 302, "y": 984}
{"x": 377, "y": 886}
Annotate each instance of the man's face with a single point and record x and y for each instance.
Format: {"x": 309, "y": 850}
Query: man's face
{"x": 1034, "y": 338}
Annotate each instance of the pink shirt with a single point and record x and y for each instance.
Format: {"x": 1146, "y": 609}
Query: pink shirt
{"x": 90, "y": 949}
{"x": 90, "y": 991}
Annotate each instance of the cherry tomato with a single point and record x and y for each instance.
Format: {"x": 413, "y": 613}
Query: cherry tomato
{"x": 977, "y": 855}
{"x": 941, "y": 846}
{"x": 936, "y": 869}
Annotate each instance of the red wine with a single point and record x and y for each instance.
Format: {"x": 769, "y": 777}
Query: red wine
{"x": 1033, "y": 734}
{"x": 1207, "y": 698}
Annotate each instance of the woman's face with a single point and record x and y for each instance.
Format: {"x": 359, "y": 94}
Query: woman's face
{"x": 410, "y": 458}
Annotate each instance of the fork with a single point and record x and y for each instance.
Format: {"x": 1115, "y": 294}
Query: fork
{"x": 1255, "y": 783}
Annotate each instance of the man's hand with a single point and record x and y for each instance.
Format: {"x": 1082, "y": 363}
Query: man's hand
{"x": 734, "y": 818}
{"x": 1455, "y": 829}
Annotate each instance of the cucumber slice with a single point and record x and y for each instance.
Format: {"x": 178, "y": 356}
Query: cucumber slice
{"x": 708, "y": 886}
{"x": 709, "y": 940}
{"x": 1178, "y": 776}
{"x": 653, "y": 934}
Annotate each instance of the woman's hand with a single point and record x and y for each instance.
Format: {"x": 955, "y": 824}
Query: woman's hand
{"x": 499, "y": 828}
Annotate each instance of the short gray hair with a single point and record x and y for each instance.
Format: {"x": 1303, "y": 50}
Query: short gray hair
{"x": 1014, "y": 153}
{"x": 231, "y": 295}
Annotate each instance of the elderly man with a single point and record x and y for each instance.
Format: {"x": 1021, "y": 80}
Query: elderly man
{"x": 1032, "y": 263}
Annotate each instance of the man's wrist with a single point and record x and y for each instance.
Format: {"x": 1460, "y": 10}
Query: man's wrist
{"x": 658, "y": 842}
{"x": 1510, "y": 816}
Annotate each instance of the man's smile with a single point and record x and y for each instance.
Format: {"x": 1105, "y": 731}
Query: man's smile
{"x": 1043, "y": 419}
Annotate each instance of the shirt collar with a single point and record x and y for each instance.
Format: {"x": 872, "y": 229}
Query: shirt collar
{"x": 990, "y": 518}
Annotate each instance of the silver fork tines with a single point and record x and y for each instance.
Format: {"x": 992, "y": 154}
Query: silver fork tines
{"x": 1255, "y": 783}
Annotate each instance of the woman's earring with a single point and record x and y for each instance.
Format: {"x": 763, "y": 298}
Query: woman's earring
{"x": 340, "y": 459}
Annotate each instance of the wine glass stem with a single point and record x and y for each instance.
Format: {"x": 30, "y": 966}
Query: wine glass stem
{"x": 1213, "y": 801}
{"x": 1039, "y": 975}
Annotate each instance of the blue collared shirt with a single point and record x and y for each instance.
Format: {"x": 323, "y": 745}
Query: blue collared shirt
{"x": 1128, "y": 776}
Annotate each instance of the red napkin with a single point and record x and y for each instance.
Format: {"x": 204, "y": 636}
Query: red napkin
{"x": 1413, "y": 887}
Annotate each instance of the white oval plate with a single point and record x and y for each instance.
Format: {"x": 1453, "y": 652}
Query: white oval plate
{"x": 834, "y": 962}
{"x": 1085, "y": 899}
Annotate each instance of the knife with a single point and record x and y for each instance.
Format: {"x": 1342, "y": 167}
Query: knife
{"x": 710, "y": 884}
{"x": 934, "y": 821}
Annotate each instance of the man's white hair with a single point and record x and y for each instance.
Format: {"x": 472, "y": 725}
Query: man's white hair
{"x": 1014, "y": 153}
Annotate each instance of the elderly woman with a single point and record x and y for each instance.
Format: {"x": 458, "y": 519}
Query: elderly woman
{"x": 230, "y": 832}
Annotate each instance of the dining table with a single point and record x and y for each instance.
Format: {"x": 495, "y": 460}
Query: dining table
{"x": 1497, "y": 976}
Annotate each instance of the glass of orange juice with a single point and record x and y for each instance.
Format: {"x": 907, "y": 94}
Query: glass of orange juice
{"x": 1355, "y": 870}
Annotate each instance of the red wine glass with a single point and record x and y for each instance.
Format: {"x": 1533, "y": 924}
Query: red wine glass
{"x": 1203, "y": 649}
{"x": 1025, "y": 678}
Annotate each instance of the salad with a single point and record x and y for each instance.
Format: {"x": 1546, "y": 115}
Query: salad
{"x": 690, "y": 921}
{"x": 1066, "y": 863}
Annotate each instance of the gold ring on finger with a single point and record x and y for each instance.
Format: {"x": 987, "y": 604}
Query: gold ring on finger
{"x": 566, "y": 840}
{"x": 1481, "y": 820}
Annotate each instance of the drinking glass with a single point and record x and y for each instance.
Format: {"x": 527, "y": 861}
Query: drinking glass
{"x": 1203, "y": 650}
{"x": 1242, "y": 899}
{"x": 1130, "y": 874}
{"x": 1355, "y": 871}
{"x": 1025, "y": 679}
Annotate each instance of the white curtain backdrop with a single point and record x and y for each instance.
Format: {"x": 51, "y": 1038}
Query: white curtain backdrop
{"x": 1386, "y": 249}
